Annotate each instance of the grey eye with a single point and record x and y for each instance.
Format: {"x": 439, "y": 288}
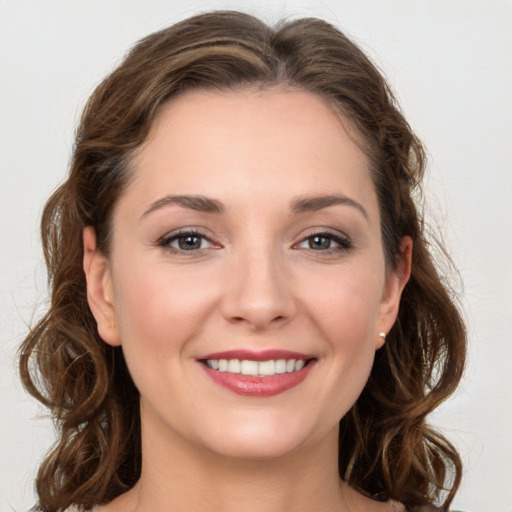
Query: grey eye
{"x": 326, "y": 242}
{"x": 185, "y": 241}
{"x": 319, "y": 243}
{"x": 189, "y": 242}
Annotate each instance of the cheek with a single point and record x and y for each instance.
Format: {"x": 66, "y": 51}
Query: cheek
{"x": 347, "y": 317}
{"x": 344, "y": 306}
{"x": 159, "y": 311}
{"x": 345, "y": 303}
{"x": 160, "y": 308}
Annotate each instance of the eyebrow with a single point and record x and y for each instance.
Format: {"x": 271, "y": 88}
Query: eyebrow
{"x": 301, "y": 204}
{"x": 199, "y": 203}
{"x": 313, "y": 203}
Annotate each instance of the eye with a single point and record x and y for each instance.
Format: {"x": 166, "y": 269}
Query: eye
{"x": 326, "y": 242}
{"x": 319, "y": 242}
{"x": 185, "y": 241}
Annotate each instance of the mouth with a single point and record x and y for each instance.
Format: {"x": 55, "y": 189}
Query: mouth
{"x": 260, "y": 374}
{"x": 257, "y": 368}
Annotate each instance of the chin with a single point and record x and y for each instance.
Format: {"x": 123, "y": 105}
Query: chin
{"x": 265, "y": 439}
{"x": 257, "y": 448}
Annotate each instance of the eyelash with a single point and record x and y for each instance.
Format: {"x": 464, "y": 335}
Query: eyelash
{"x": 166, "y": 241}
{"x": 344, "y": 243}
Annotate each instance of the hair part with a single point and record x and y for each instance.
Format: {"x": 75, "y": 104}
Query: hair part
{"x": 387, "y": 450}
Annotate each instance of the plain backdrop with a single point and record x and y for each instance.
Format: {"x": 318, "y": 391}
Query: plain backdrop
{"x": 449, "y": 62}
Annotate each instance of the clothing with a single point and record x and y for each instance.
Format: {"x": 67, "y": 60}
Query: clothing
{"x": 75, "y": 509}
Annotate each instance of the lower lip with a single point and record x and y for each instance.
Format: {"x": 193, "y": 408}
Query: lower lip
{"x": 249, "y": 385}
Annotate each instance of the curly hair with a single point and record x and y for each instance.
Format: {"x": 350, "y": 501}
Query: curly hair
{"x": 386, "y": 448}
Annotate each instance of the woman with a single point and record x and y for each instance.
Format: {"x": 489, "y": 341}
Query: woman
{"x": 244, "y": 313}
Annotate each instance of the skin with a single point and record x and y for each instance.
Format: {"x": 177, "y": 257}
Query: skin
{"x": 254, "y": 283}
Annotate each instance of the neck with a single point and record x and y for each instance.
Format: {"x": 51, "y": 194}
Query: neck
{"x": 177, "y": 475}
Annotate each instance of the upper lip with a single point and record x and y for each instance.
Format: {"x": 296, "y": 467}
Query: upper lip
{"x": 253, "y": 355}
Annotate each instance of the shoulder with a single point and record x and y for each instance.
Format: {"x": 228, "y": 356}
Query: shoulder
{"x": 74, "y": 508}
{"x": 429, "y": 508}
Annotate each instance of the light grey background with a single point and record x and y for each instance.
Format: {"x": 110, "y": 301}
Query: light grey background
{"x": 450, "y": 64}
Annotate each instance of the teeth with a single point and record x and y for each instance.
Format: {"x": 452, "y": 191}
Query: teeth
{"x": 281, "y": 366}
{"x": 299, "y": 364}
{"x": 234, "y": 366}
{"x": 256, "y": 368}
{"x": 267, "y": 367}
{"x": 249, "y": 367}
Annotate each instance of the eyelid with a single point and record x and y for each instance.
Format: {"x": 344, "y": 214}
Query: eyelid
{"x": 343, "y": 241}
{"x": 164, "y": 242}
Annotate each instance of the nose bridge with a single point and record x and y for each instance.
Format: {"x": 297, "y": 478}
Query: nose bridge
{"x": 259, "y": 293}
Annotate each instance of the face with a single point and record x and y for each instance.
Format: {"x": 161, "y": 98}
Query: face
{"x": 246, "y": 281}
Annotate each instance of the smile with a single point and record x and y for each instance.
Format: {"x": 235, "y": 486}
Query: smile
{"x": 258, "y": 374}
{"x": 256, "y": 368}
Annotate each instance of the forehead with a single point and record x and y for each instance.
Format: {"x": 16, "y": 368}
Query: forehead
{"x": 250, "y": 143}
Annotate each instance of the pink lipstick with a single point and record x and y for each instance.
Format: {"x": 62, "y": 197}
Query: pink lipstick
{"x": 264, "y": 373}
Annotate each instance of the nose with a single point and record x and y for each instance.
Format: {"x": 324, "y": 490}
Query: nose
{"x": 259, "y": 293}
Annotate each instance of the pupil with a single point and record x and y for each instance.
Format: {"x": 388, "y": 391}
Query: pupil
{"x": 319, "y": 242}
{"x": 189, "y": 242}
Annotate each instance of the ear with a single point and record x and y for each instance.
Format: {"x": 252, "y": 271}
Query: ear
{"x": 394, "y": 286}
{"x": 100, "y": 293}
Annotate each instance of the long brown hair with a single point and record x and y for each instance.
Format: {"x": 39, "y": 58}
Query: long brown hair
{"x": 387, "y": 450}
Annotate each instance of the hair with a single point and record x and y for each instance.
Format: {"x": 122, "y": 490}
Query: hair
{"x": 386, "y": 448}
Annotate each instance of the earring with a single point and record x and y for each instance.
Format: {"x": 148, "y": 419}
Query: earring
{"x": 382, "y": 335}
